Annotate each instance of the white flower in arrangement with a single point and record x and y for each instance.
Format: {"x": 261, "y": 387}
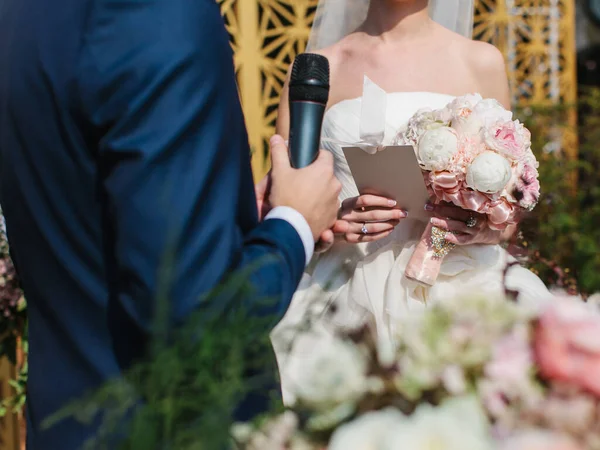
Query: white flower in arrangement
{"x": 463, "y": 106}
{"x": 332, "y": 374}
{"x": 423, "y": 120}
{"x": 458, "y": 424}
{"x": 489, "y": 172}
{"x": 484, "y": 114}
{"x": 274, "y": 436}
{"x": 437, "y": 147}
{"x": 368, "y": 432}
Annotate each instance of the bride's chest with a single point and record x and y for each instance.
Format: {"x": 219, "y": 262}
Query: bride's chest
{"x": 355, "y": 119}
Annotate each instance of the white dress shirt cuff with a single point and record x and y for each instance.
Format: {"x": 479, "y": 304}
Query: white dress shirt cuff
{"x": 297, "y": 220}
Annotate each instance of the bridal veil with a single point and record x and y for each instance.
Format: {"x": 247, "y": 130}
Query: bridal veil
{"x": 338, "y": 18}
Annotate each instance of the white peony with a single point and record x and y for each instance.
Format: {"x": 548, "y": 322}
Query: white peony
{"x": 485, "y": 114}
{"x": 423, "y": 120}
{"x": 458, "y": 424}
{"x": 368, "y": 432}
{"x": 330, "y": 374}
{"x": 436, "y": 148}
{"x": 489, "y": 173}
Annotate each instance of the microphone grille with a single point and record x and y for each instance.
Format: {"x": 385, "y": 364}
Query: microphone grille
{"x": 310, "y": 66}
{"x": 310, "y": 78}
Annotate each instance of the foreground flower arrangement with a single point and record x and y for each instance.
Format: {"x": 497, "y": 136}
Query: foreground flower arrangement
{"x": 476, "y": 374}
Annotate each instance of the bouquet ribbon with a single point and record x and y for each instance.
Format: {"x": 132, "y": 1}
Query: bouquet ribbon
{"x": 446, "y": 187}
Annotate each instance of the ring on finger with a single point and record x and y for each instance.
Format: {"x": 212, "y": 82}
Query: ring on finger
{"x": 471, "y": 221}
{"x": 364, "y": 229}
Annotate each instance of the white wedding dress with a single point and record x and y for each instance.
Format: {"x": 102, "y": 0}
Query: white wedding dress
{"x": 365, "y": 282}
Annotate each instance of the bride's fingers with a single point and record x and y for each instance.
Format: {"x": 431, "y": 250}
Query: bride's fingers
{"x": 367, "y": 201}
{"x": 358, "y": 238}
{"x": 372, "y": 228}
{"x": 453, "y": 225}
{"x": 455, "y": 213}
{"x": 459, "y": 239}
{"x": 375, "y": 215}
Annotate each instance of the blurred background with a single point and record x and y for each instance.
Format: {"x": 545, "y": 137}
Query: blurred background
{"x": 552, "y": 50}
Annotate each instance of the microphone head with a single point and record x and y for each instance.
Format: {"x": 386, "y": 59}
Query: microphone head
{"x": 310, "y": 79}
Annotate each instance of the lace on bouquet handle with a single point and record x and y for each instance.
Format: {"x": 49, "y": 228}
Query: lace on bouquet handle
{"x": 372, "y": 119}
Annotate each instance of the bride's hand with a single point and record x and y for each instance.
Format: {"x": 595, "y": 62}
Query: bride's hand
{"x": 457, "y": 220}
{"x": 378, "y": 216}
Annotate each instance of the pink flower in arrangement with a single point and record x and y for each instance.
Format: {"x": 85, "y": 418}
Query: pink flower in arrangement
{"x": 540, "y": 440}
{"x": 567, "y": 345}
{"x": 512, "y": 358}
{"x": 527, "y": 187}
{"x": 510, "y": 138}
{"x": 468, "y": 149}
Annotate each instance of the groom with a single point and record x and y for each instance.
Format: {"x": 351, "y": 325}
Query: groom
{"x": 122, "y": 137}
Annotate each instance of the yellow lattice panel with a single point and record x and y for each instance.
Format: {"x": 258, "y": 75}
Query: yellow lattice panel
{"x": 537, "y": 38}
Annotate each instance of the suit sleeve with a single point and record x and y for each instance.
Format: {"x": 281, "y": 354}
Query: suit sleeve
{"x": 158, "y": 86}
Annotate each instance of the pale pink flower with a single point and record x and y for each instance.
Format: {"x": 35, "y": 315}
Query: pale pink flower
{"x": 540, "y": 440}
{"x": 483, "y": 115}
{"x": 511, "y": 139}
{"x": 463, "y": 106}
{"x": 512, "y": 358}
{"x": 468, "y": 149}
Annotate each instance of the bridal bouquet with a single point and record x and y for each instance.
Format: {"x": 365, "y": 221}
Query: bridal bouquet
{"x": 475, "y": 156}
{"x": 468, "y": 374}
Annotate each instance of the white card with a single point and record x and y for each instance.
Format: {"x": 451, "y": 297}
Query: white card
{"x": 393, "y": 172}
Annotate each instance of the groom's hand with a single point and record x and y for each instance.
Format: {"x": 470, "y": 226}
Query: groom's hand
{"x": 312, "y": 191}
{"x": 327, "y": 238}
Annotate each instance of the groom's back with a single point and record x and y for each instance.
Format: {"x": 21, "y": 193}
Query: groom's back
{"x": 49, "y": 196}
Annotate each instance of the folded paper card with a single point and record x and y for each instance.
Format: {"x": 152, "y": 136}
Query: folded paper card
{"x": 392, "y": 172}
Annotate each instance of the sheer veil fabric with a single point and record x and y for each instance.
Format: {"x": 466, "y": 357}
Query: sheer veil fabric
{"x": 336, "y": 19}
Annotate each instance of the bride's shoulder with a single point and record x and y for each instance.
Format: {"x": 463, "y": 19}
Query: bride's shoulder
{"x": 342, "y": 50}
{"x": 487, "y": 67}
{"x": 483, "y": 58}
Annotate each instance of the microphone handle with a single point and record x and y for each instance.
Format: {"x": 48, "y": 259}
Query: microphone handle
{"x": 306, "y": 120}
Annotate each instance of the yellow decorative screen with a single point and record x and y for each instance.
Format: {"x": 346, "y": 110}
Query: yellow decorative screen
{"x": 537, "y": 38}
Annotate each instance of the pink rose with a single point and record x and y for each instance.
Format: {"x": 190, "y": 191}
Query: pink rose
{"x": 540, "y": 440}
{"x": 511, "y": 139}
{"x": 567, "y": 344}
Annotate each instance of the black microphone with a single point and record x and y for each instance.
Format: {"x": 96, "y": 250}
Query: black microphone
{"x": 309, "y": 92}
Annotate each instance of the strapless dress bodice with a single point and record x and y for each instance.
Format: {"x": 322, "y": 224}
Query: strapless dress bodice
{"x": 344, "y": 124}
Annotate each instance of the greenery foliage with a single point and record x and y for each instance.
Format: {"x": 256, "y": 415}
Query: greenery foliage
{"x": 186, "y": 395}
{"x": 563, "y": 233}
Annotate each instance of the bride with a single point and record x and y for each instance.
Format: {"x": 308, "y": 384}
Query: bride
{"x": 420, "y": 53}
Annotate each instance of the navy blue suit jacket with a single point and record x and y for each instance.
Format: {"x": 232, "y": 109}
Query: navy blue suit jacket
{"x": 121, "y": 137}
